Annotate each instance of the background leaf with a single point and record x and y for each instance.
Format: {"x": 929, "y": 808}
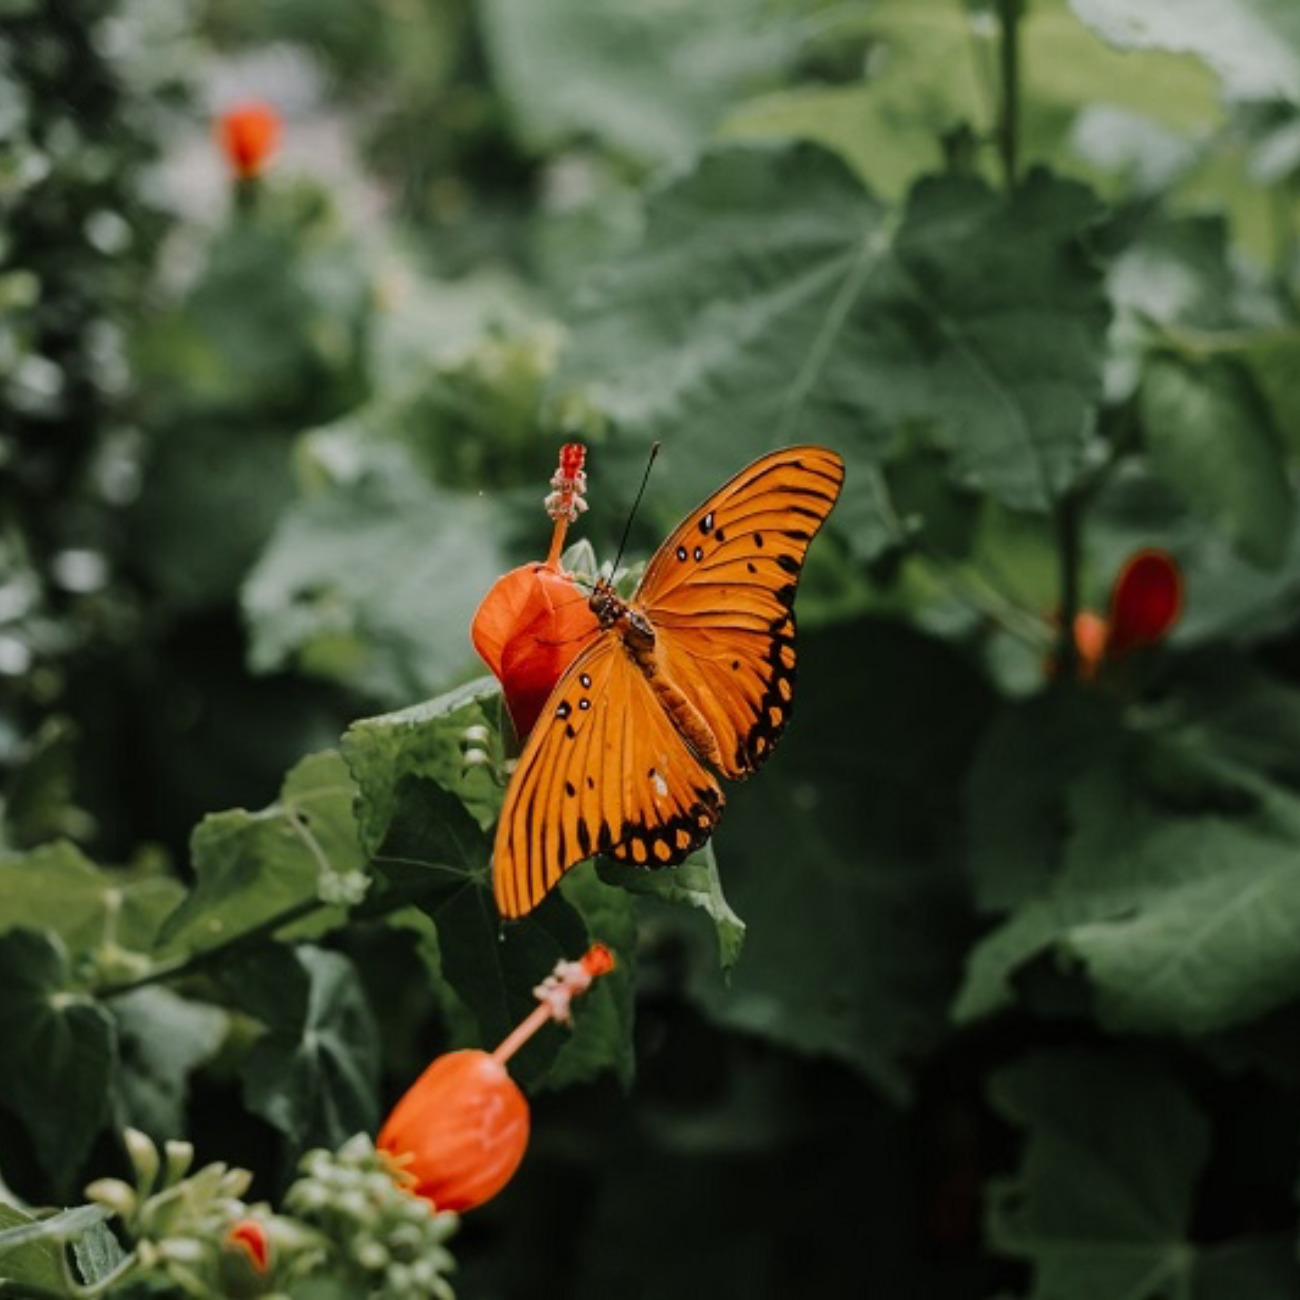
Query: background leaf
{"x": 314, "y": 1075}
{"x": 991, "y": 347}
{"x": 1211, "y": 440}
{"x": 563, "y": 72}
{"x": 849, "y": 878}
{"x": 1169, "y": 884}
{"x": 345, "y": 588}
{"x": 60, "y": 1056}
{"x": 1102, "y": 1203}
{"x": 1254, "y": 45}
{"x": 256, "y": 868}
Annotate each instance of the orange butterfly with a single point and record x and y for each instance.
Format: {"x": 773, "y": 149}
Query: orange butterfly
{"x": 691, "y": 677}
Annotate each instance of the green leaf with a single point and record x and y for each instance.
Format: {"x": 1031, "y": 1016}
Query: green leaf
{"x": 564, "y": 70}
{"x": 422, "y": 822}
{"x": 924, "y": 88}
{"x": 97, "y": 1252}
{"x": 1017, "y": 790}
{"x": 1210, "y": 437}
{"x": 60, "y": 1053}
{"x": 162, "y": 1039}
{"x": 373, "y": 583}
{"x": 1102, "y": 1202}
{"x": 1270, "y": 357}
{"x": 254, "y": 869}
{"x": 770, "y": 301}
{"x": 843, "y": 858}
{"x": 314, "y": 1074}
{"x": 423, "y": 740}
{"x": 1106, "y": 1198}
{"x": 435, "y": 855}
{"x": 1170, "y": 884}
{"x": 28, "y": 1258}
{"x": 31, "y": 1248}
{"x": 1253, "y": 45}
{"x": 225, "y": 485}
{"x": 695, "y": 883}
{"x": 92, "y": 910}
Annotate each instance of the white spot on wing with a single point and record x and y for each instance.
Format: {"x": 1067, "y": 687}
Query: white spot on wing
{"x": 660, "y": 785}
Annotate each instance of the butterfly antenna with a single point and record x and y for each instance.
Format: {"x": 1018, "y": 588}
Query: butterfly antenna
{"x": 627, "y": 527}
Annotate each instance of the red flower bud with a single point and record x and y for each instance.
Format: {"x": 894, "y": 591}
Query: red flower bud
{"x": 528, "y": 630}
{"x": 249, "y": 1236}
{"x": 460, "y": 1131}
{"x": 248, "y": 134}
{"x": 1145, "y": 602}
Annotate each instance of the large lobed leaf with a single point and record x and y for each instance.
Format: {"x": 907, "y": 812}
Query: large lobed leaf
{"x": 314, "y": 1073}
{"x": 60, "y": 1053}
{"x": 564, "y": 70}
{"x": 371, "y": 581}
{"x": 772, "y": 300}
{"x": 255, "y": 869}
{"x": 1104, "y": 1201}
{"x": 421, "y": 824}
{"x": 1161, "y": 863}
{"x": 926, "y": 86}
{"x": 842, "y": 855}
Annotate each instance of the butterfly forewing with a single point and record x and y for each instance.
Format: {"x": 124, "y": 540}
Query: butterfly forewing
{"x": 720, "y": 594}
{"x": 604, "y": 771}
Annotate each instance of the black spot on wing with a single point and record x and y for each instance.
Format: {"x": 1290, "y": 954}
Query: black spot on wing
{"x": 673, "y": 841}
{"x": 774, "y": 708}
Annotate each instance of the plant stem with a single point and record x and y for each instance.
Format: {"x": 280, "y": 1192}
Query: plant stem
{"x": 197, "y": 960}
{"x": 1010, "y": 13}
{"x": 1068, "y": 520}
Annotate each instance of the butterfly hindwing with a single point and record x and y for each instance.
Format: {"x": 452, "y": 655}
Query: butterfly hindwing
{"x": 720, "y": 594}
{"x": 604, "y": 771}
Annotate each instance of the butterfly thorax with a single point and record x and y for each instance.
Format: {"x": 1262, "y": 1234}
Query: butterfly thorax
{"x": 638, "y": 635}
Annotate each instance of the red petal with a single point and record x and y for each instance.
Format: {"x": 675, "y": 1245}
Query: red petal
{"x": 530, "y": 627}
{"x": 460, "y": 1131}
{"x": 1146, "y": 601}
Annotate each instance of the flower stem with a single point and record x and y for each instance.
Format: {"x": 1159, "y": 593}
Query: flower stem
{"x": 193, "y": 961}
{"x": 557, "y": 543}
{"x": 521, "y": 1033}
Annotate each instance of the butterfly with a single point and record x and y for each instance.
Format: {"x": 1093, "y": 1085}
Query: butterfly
{"x": 691, "y": 679}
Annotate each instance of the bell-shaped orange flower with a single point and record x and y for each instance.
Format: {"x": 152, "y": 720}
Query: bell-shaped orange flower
{"x": 460, "y": 1132}
{"x": 249, "y": 134}
{"x": 463, "y": 1127}
{"x": 535, "y": 620}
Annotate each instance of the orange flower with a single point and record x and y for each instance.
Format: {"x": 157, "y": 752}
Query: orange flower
{"x": 461, "y": 1130}
{"x": 535, "y": 620}
{"x": 249, "y": 133}
{"x": 1145, "y": 603}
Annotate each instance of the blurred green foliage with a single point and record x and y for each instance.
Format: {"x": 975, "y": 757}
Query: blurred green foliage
{"x": 988, "y": 985}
